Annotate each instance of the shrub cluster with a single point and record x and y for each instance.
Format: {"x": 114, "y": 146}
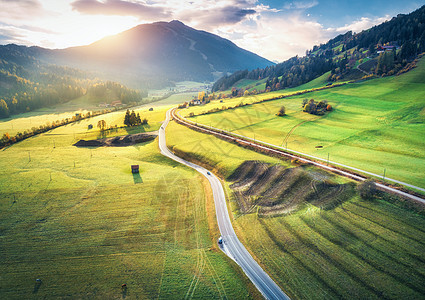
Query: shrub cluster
{"x": 133, "y": 119}
{"x": 316, "y": 108}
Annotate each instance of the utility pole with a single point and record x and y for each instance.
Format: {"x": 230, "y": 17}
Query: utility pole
{"x": 328, "y": 158}
{"x": 29, "y": 156}
{"x": 383, "y": 178}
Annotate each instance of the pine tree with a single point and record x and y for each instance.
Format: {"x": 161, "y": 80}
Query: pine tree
{"x": 127, "y": 118}
{"x": 133, "y": 118}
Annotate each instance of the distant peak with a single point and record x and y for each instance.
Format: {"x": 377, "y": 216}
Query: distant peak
{"x": 176, "y": 22}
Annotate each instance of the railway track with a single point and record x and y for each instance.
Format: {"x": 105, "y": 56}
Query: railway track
{"x": 276, "y": 150}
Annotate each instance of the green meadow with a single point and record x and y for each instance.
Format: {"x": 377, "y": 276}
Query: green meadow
{"x": 357, "y": 250}
{"x": 80, "y": 221}
{"x": 376, "y": 125}
{"x": 26, "y": 121}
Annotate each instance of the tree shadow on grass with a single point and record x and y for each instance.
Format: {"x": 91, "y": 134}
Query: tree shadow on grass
{"x": 137, "y": 129}
{"x": 36, "y": 287}
{"x": 124, "y": 293}
{"x": 137, "y": 178}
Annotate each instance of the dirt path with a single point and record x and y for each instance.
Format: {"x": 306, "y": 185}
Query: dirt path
{"x": 358, "y": 68}
{"x": 291, "y": 131}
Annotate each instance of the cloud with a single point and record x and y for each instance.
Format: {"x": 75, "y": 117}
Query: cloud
{"x": 301, "y": 4}
{"x": 120, "y": 8}
{"x": 22, "y": 3}
{"x": 361, "y": 24}
{"x": 222, "y": 16}
{"x": 277, "y": 38}
{"x": 211, "y": 15}
{"x": 12, "y": 35}
{"x": 20, "y": 9}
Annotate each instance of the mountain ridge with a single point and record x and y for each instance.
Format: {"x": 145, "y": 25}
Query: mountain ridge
{"x": 168, "y": 51}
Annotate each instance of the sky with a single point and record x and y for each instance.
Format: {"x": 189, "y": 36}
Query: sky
{"x": 276, "y": 30}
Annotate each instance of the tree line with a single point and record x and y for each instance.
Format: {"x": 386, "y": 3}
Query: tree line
{"x": 27, "y": 84}
{"x": 7, "y": 140}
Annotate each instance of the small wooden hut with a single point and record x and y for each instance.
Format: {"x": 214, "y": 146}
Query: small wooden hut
{"x": 134, "y": 169}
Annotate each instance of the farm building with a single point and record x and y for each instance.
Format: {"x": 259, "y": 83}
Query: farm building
{"x": 134, "y": 169}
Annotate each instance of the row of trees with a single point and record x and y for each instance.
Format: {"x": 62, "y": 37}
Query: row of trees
{"x": 7, "y": 140}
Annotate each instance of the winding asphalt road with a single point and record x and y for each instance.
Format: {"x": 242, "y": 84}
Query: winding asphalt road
{"x": 231, "y": 244}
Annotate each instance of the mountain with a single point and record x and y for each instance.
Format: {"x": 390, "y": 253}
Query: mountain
{"x": 386, "y": 49}
{"x": 147, "y": 56}
{"x": 159, "y": 52}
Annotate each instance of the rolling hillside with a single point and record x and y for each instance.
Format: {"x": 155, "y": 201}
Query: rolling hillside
{"x": 382, "y": 50}
{"x": 376, "y": 125}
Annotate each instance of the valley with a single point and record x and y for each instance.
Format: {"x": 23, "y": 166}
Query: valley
{"x": 165, "y": 161}
{"x": 63, "y": 189}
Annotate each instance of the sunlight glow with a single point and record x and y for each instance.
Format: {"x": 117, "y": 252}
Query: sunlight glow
{"x": 92, "y": 29}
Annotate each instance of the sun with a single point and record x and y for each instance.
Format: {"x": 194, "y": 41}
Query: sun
{"x": 93, "y": 28}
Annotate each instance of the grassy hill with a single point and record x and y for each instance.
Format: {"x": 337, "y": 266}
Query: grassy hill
{"x": 359, "y": 249}
{"x": 376, "y": 124}
{"x": 80, "y": 221}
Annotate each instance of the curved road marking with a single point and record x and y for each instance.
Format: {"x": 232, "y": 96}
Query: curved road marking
{"x": 234, "y": 248}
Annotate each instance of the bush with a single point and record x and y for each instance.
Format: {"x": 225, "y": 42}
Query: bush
{"x": 281, "y": 111}
{"x": 367, "y": 189}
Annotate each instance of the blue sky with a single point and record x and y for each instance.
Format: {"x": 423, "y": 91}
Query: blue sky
{"x": 274, "y": 29}
{"x": 334, "y": 13}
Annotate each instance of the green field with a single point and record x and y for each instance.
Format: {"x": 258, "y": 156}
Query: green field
{"x": 376, "y": 125}
{"x": 79, "y": 220}
{"x": 358, "y": 250}
{"x": 222, "y": 157}
{"x": 24, "y": 122}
